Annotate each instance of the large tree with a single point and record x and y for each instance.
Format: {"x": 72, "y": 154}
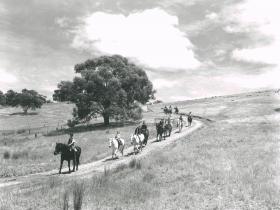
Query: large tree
{"x": 27, "y": 99}
{"x": 107, "y": 86}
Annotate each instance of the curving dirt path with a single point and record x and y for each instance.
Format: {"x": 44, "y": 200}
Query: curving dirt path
{"x": 87, "y": 170}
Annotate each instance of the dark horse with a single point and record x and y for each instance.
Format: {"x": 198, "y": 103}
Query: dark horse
{"x": 189, "y": 120}
{"x": 160, "y": 131}
{"x": 68, "y": 155}
{"x": 167, "y": 129}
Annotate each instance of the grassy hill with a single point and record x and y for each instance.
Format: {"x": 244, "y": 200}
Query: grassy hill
{"x": 232, "y": 162}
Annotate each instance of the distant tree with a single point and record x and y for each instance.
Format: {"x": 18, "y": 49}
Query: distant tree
{"x": 11, "y": 98}
{"x": 2, "y": 98}
{"x": 27, "y": 99}
{"x": 107, "y": 86}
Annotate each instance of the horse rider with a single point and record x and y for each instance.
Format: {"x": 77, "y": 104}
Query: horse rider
{"x": 71, "y": 144}
{"x": 118, "y": 138}
{"x": 176, "y": 110}
{"x": 189, "y": 118}
{"x": 143, "y": 127}
{"x": 181, "y": 118}
{"x": 170, "y": 109}
{"x": 143, "y": 130}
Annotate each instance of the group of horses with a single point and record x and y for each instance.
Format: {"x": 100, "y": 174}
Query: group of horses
{"x": 138, "y": 140}
{"x": 169, "y": 110}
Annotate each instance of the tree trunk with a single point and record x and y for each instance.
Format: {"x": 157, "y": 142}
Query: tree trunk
{"x": 106, "y": 119}
{"x": 25, "y": 109}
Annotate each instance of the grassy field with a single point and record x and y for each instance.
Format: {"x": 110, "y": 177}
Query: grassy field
{"x": 21, "y": 153}
{"x": 232, "y": 162}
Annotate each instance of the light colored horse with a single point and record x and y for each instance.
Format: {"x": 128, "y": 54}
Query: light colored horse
{"x": 180, "y": 125}
{"x": 137, "y": 141}
{"x": 114, "y": 144}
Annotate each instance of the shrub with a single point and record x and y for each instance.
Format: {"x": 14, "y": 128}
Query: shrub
{"x": 20, "y": 131}
{"x": 19, "y": 155}
{"x": 135, "y": 164}
{"x": 7, "y": 155}
{"x": 120, "y": 167}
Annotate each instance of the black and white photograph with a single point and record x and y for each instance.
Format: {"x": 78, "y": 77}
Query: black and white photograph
{"x": 139, "y": 104}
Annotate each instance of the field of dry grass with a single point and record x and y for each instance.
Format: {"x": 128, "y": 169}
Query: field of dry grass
{"x": 21, "y": 153}
{"x": 232, "y": 162}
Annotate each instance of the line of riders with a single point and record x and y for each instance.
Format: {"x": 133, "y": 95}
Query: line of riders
{"x": 139, "y": 139}
{"x": 169, "y": 110}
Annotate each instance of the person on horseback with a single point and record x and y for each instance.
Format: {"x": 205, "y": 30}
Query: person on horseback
{"x": 137, "y": 130}
{"x": 181, "y": 118}
{"x": 143, "y": 127}
{"x": 176, "y": 110}
{"x": 71, "y": 142}
{"x": 71, "y": 145}
{"x": 118, "y": 138}
{"x": 144, "y": 131}
{"x": 189, "y": 118}
{"x": 170, "y": 109}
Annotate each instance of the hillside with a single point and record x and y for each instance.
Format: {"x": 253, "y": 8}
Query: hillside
{"x": 232, "y": 162}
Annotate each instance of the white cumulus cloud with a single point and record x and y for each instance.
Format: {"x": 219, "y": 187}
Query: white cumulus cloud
{"x": 152, "y": 37}
{"x": 262, "y": 17}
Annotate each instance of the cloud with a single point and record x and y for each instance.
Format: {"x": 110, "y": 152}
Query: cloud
{"x": 164, "y": 83}
{"x": 6, "y": 80}
{"x": 261, "y": 18}
{"x": 268, "y": 79}
{"x": 151, "y": 36}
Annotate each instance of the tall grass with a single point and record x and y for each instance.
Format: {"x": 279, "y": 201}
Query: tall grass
{"x": 65, "y": 205}
{"x": 78, "y": 195}
{"x": 135, "y": 164}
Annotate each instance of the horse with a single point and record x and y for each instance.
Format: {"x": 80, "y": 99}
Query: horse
{"x": 167, "y": 110}
{"x": 180, "y": 125}
{"x": 167, "y": 129}
{"x": 145, "y": 132}
{"x": 160, "y": 131}
{"x": 137, "y": 140}
{"x": 68, "y": 155}
{"x": 189, "y": 120}
{"x": 114, "y": 144}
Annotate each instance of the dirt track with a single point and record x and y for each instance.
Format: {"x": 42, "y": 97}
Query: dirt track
{"x": 87, "y": 170}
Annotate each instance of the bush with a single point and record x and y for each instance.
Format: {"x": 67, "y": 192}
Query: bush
{"x": 7, "y": 155}
{"x": 20, "y": 131}
{"x": 19, "y": 155}
{"x": 72, "y": 123}
{"x": 135, "y": 164}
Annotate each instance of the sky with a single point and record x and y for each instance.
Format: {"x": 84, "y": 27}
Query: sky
{"x": 189, "y": 49}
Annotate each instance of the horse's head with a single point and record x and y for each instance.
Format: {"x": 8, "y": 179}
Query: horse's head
{"x": 57, "y": 149}
{"x": 110, "y": 142}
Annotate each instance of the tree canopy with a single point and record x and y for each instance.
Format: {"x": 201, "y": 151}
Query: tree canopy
{"x": 27, "y": 99}
{"x": 2, "y": 98}
{"x": 107, "y": 86}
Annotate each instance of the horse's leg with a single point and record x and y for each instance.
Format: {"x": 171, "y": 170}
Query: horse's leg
{"x": 116, "y": 153}
{"x": 61, "y": 163}
{"x": 122, "y": 149}
{"x": 69, "y": 166}
{"x": 78, "y": 162}
{"x": 74, "y": 161}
